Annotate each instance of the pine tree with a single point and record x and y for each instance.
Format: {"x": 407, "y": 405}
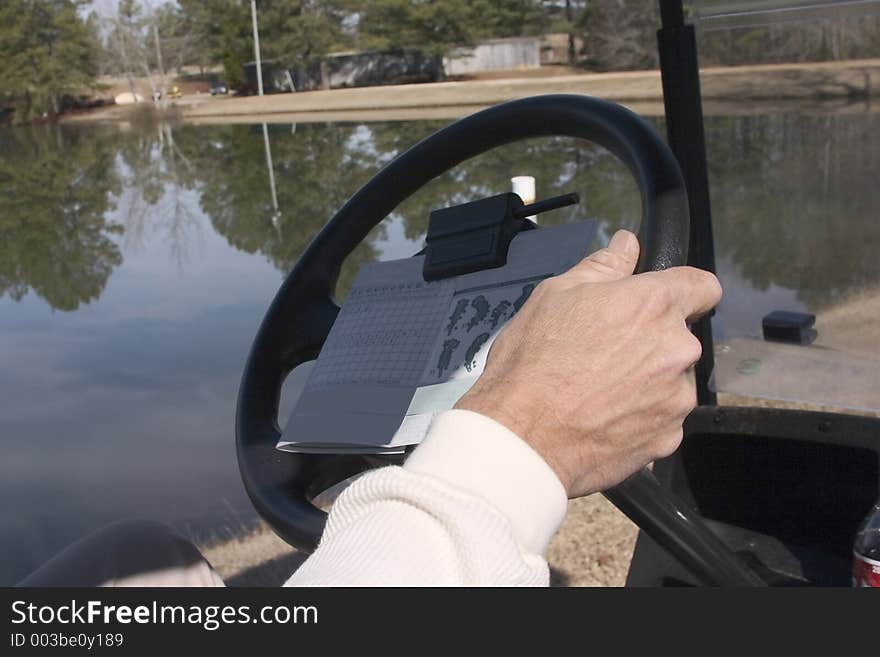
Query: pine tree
{"x": 48, "y": 50}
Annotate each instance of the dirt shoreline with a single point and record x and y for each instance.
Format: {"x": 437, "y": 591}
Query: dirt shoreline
{"x": 777, "y": 82}
{"x": 730, "y": 90}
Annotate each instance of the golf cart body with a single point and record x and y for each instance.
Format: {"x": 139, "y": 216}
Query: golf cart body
{"x": 756, "y": 495}
{"x": 785, "y": 489}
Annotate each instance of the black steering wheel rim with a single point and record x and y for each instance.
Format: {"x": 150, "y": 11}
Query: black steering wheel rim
{"x": 278, "y": 483}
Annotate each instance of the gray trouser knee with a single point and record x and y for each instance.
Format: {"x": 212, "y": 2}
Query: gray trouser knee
{"x": 128, "y": 553}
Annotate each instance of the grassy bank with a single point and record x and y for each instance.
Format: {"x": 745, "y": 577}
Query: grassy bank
{"x": 840, "y": 81}
{"x": 726, "y": 91}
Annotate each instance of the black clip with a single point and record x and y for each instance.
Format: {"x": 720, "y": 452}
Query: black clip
{"x": 788, "y": 326}
{"x": 477, "y": 235}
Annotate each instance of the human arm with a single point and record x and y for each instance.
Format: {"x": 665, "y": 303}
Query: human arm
{"x": 584, "y": 386}
{"x": 473, "y": 505}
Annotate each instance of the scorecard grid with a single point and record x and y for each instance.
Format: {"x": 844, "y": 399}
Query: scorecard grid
{"x": 403, "y": 322}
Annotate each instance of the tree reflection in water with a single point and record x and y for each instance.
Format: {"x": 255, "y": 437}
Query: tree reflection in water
{"x": 56, "y": 188}
{"x": 794, "y": 195}
{"x": 795, "y": 200}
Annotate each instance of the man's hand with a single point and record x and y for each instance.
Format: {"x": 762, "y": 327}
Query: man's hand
{"x": 593, "y": 370}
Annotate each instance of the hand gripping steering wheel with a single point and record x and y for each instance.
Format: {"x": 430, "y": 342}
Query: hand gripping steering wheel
{"x": 299, "y": 319}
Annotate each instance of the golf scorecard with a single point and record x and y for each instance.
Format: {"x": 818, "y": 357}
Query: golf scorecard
{"x": 404, "y": 348}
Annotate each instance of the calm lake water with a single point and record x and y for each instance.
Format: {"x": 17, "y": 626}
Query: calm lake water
{"x": 136, "y": 264}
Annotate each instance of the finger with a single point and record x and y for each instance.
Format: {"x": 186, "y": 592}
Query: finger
{"x": 695, "y": 291}
{"x": 685, "y": 398}
{"x": 616, "y": 261}
{"x": 667, "y": 443}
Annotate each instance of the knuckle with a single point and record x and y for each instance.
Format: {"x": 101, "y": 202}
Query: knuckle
{"x": 549, "y": 285}
{"x": 681, "y": 400}
{"x": 682, "y": 350}
{"x": 663, "y": 293}
{"x": 539, "y": 293}
{"x": 706, "y": 280}
{"x": 602, "y": 255}
{"x": 669, "y": 442}
{"x": 656, "y": 295}
{"x": 685, "y": 400}
{"x": 692, "y": 349}
{"x": 712, "y": 282}
{"x": 605, "y": 259}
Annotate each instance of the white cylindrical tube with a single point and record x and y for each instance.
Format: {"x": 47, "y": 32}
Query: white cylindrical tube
{"x": 524, "y": 187}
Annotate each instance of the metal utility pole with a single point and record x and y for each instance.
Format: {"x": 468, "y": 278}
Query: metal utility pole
{"x": 257, "y": 47}
{"x": 271, "y": 169}
{"x": 159, "y": 56}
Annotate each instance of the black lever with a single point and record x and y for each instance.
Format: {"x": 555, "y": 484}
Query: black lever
{"x": 552, "y": 203}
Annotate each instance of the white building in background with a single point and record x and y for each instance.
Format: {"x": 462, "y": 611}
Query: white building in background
{"x": 494, "y": 55}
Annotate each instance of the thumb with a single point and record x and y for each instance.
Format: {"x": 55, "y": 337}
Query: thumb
{"x": 616, "y": 261}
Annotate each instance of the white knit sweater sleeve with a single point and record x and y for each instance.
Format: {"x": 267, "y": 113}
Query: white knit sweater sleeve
{"x": 473, "y": 505}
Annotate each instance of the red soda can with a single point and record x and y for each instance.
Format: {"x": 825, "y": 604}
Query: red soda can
{"x": 866, "y": 551}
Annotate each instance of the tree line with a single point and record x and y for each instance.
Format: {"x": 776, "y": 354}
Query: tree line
{"x": 50, "y": 50}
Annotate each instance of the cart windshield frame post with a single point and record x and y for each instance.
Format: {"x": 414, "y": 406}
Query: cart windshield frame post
{"x": 680, "y": 73}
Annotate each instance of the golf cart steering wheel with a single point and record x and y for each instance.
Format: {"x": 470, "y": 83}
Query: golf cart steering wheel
{"x": 281, "y": 485}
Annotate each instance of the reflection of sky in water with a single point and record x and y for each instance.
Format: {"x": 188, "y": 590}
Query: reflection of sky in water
{"x": 741, "y": 309}
{"x": 126, "y": 405}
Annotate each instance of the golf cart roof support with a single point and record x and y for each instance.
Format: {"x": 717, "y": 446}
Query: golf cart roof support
{"x": 676, "y": 43}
